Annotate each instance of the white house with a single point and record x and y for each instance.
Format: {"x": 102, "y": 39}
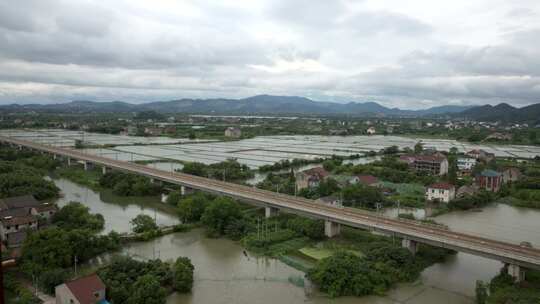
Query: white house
{"x": 233, "y": 132}
{"x": 466, "y": 163}
{"x": 371, "y": 131}
{"x": 443, "y": 192}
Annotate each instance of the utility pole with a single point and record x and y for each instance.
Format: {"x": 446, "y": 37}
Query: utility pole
{"x": 75, "y": 260}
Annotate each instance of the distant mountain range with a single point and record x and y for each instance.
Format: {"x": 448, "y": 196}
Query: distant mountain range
{"x": 260, "y": 104}
{"x": 286, "y": 105}
{"x": 503, "y": 112}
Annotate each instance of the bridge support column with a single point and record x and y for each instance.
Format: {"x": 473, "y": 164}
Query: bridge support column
{"x": 164, "y": 197}
{"x": 55, "y": 156}
{"x": 517, "y": 272}
{"x": 103, "y": 170}
{"x": 185, "y": 190}
{"x": 69, "y": 161}
{"x": 428, "y": 211}
{"x": 270, "y": 211}
{"x": 87, "y": 165}
{"x": 331, "y": 229}
{"x": 411, "y": 245}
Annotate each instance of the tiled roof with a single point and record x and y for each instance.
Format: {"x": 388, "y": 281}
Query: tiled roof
{"x": 46, "y": 207}
{"x": 367, "y": 179}
{"x": 430, "y": 158}
{"x": 15, "y": 212}
{"x": 319, "y": 171}
{"x": 20, "y": 201}
{"x": 84, "y": 288}
{"x": 445, "y": 186}
{"x": 18, "y": 220}
{"x": 490, "y": 173}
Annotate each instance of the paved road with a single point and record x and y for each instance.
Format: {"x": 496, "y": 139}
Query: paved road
{"x": 413, "y": 230}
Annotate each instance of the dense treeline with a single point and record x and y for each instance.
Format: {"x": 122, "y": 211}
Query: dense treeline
{"x": 48, "y": 253}
{"x": 125, "y": 184}
{"x": 504, "y": 290}
{"x": 132, "y": 281}
{"x": 77, "y": 216}
{"x": 22, "y": 172}
{"x": 17, "y": 179}
{"x": 375, "y": 270}
{"x": 229, "y": 170}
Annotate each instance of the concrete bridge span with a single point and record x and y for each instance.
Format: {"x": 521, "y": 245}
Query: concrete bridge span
{"x": 412, "y": 232}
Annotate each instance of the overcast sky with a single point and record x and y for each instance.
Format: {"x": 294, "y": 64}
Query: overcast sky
{"x": 404, "y": 53}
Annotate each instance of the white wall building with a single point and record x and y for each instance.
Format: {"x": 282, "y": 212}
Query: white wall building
{"x": 466, "y": 163}
{"x": 443, "y": 192}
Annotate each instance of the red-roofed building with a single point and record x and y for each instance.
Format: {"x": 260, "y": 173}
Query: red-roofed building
{"x": 310, "y": 178}
{"x": 443, "y": 192}
{"x": 364, "y": 179}
{"x": 86, "y": 290}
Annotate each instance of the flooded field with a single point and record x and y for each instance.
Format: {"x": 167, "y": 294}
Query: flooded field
{"x": 254, "y": 152}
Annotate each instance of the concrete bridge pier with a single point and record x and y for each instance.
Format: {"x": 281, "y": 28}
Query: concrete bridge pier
{"x": 69, "y": 161}
{"x": 428, "y": 211}
{"x": 164, "y": 197}
{"x": 411, "y": 245}
{"x": 331, "y": 229}
{"x": 87, "y": 165}
{"x": 185, "y": 190}
{"x": 517, "y": 272}
{"x": 103, "y": 170}
{"x": 270, "y": 211}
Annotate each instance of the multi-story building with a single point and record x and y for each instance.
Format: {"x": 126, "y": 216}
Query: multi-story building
{"x": 465, "y": 164}
{"x": 481, "y": 155}
{"x": 511, "y": 174}
{"x": 443, "y": 192}
{"x": 432, "y": 164}
{"x": 489, "y": 180}
{"x": 21, "y": 214}
{"x": 310, "y": 178}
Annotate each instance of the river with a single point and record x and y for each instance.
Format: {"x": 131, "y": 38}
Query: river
{"x": 116, "y": 210}
{"x": 224, "y": 274}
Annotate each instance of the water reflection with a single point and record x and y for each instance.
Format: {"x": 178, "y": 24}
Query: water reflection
{"x": 116, "y": 210}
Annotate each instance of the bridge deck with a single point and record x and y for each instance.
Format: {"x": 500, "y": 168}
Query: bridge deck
{"x": 425, "y": 233}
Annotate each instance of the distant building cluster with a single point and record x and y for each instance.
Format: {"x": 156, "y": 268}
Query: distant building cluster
{"x": 20, "y": 215}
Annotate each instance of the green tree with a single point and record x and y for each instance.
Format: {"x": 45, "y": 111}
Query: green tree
{"x": 418, "y": 148}
{"x": 220, "y": 213}
{"x": 77, "y": 216}
{"x": 481, "y": 292}
{"x": 147, "y": 290}
{"x": 195, "y": 168}
{"x": 191, "y": 209}
{"x": 49, "y": 279}
{"x": 362, "y": 196}
{"x": 143, "y": 223}
{"x": 182, "y": 275}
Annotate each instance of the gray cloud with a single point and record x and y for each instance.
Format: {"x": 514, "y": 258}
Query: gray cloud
{"x": 59, "y": 50}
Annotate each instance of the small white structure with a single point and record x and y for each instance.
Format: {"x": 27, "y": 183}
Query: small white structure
{"x": 233, "y": 132}
{"x": 466, "y": 163}
{"x": 371, "y": 131}
{"x": 443, "y": 192}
